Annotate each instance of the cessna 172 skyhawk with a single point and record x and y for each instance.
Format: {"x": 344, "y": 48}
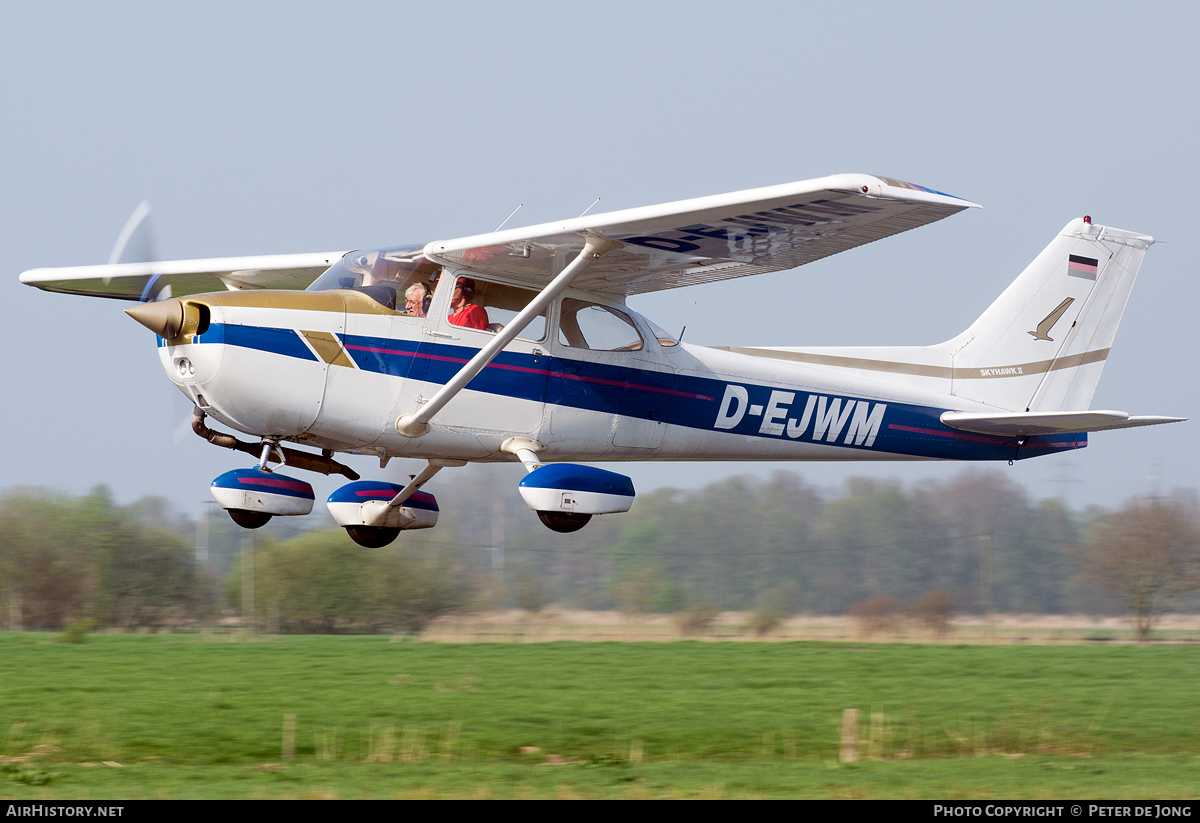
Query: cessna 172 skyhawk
{"x": 518, "y": 345}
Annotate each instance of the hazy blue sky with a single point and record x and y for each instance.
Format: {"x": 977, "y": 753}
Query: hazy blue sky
{"x": 259, "y": 128}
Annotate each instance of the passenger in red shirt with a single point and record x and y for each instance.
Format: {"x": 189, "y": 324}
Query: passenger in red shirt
{"x": 462, "y": 311}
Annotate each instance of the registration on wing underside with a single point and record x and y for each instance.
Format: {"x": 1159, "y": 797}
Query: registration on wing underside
{"x": 771, "y": 231}
{"x": 714, "y": 245}
{"x": 709, "y": 238}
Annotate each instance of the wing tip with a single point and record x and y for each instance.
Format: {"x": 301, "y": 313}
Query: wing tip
{"x": 894, "y": 188}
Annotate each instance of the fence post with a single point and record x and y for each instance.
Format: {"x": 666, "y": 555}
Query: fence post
{"x": 849, "y": 751}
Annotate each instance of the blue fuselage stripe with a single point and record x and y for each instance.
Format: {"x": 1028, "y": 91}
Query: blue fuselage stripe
{"x": 686, "y": 400}
{"x": 261, "y": 338}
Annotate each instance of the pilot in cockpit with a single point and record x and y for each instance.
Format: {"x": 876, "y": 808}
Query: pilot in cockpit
{"x": 463, "y": 310}
{"x": 384, "y": 275}
{"x": 416, "y": 299}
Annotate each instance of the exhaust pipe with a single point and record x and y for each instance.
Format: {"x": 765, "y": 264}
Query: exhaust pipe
{"x": 295, "y": 459}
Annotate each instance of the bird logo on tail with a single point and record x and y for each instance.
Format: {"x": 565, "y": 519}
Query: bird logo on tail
{"x": 1043, "y": 328}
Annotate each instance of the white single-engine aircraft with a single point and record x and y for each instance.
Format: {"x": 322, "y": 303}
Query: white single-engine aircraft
{"x": 518, "y": 345}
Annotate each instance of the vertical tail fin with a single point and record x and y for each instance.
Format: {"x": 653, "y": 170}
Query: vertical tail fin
{"x": 1042, "y": 344}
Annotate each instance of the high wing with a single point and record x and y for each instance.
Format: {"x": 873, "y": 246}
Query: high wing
{"x": 661, "y": 247}
{"x": 708, "y": 238}
{"x": 176, "y": 278}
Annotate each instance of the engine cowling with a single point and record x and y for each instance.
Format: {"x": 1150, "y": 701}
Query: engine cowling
{"x": 252, "y": 497}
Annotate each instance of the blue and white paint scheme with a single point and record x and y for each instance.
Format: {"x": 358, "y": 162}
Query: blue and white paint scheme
{"x": 519, "y": 346}
{"x": 365, "y": 503}
{"x": 272, "y": 493}
{"x": 566, "y": 487}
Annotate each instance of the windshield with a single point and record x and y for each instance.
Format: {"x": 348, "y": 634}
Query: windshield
{"x": 380, "y": 274}
{"x": 664, "y": 337}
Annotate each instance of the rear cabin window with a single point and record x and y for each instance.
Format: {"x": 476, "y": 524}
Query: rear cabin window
{"x": 599, "y": 328}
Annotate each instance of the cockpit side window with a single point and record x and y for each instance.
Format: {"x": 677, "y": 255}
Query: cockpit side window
{"x": 487, "y": 306}
{"x": 592, "y": 326}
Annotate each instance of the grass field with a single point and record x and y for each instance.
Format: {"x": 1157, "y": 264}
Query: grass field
{"x": 191, "y": 715}
{"x": 555, "y": 624}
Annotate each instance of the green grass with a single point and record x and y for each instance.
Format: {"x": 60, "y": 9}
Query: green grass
{"x": 1109, "y": 776}
{"x": 199, "y": 715}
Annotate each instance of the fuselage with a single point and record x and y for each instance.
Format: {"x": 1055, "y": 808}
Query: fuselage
{"x": 335, "y": 369}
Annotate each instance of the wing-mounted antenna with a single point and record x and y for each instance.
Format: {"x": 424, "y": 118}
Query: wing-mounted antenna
{"x": 510, "y": 216}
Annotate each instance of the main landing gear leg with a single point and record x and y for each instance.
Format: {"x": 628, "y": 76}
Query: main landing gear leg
{"x": 552, "y": 490}
{"x": 382, "y": 522}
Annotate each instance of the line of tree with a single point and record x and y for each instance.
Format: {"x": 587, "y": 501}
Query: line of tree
{"x": 69, "y": 559}
{"x": 726, "y": 543}
{"x": 775, "y": 547}
{"x": 977, "y": 540}
{"x": 323, "y": 583}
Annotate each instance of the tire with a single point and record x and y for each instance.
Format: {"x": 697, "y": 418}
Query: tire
{"x": 564, "y": 522}
{"x": 248, "y": 519}
{"x": 372, "y": 537}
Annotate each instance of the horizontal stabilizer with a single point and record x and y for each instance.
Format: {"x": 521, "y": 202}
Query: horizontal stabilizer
{"x": 1027, "y": 424}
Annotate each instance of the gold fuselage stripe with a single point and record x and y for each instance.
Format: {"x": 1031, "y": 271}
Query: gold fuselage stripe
{"x": 919, "y": 370}
{"x": 328, "y": 347}
{"x": 340, "y": 300}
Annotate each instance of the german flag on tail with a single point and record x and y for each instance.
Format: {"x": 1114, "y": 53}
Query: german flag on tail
{"x": 1085, "y": 267}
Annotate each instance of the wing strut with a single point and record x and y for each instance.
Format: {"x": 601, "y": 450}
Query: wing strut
{"x": 388, "y": 515}
{"x": 419, "y": 480}
{"x": 417, "y": 424}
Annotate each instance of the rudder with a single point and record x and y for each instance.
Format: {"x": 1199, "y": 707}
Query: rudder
{"x": 1041, "y": 346}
